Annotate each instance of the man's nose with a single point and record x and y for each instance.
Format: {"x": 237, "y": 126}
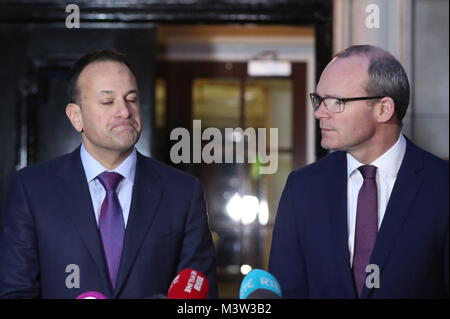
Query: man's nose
{"x": 321, "y": 112}
{"x": 124, "y": 109}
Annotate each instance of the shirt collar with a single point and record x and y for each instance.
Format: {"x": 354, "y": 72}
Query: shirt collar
{"x": 387, "y": 164}
{"x": 93, "y": 168}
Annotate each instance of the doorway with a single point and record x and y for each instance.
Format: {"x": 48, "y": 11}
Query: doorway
{"x": 242, "y": 202}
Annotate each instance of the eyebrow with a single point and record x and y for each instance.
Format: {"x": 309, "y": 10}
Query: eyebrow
{"x": 132, "y": 92}
{"x": 111, "y": 92}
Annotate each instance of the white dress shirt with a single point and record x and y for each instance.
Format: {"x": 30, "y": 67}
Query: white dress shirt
{"x": 93, "y": 168}
{"x": 388, "y": 166}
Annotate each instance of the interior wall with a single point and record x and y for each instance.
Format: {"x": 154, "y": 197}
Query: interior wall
{"x": 416, "y": 32}
{"x": 240, "y": 43}
{"x": 431, "y": 68}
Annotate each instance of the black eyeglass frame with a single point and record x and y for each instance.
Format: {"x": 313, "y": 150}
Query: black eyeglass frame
{"x": 342, "y": 101}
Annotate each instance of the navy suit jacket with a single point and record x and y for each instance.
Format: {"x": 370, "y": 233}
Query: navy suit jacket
{"x": 48, "y": 223}
{"x": 310, "y": 254}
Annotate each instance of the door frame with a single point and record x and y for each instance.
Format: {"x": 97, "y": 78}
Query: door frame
{"x": 179, "y": 75}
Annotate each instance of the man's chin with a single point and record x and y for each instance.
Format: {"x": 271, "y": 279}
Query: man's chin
{"x": 330, "y": 146}
{"x": 123, "y": 145}
{"x": 126, "y": 139}
{"x": 326, "y": 145}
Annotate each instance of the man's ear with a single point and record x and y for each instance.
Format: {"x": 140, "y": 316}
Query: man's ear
{"x": 385, "y": 109}
{"x": 73, "y": 112}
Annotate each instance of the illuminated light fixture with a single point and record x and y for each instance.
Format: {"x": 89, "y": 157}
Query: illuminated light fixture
{"x": 263, "y": 214}
{"x": 247, "y": 208}
{"x": 233, "y": 207}
{"x": 245, "y": 269}
{"x": 266, "y": 63}
{"x": 250, "y": 208}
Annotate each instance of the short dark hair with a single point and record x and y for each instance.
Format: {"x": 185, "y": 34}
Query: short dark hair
{"x": 73, "y": 93}
{"x": 386, "y": 76}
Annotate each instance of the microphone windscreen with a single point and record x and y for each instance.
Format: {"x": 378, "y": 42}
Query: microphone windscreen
{"x": 263, "y": 294}
{"x": 259, "y": 284}
{"x": 188, "y": 284}
{"x": 92, "y": 295}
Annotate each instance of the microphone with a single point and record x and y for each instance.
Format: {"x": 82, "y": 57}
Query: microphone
{"x": 92, "y": 295}
{"x": 259, "y": 284}
{"x": 188, "y": 284}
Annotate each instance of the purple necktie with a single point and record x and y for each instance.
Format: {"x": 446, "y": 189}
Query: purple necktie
{"x": 111, "y": 224}
{"x": 366, "y": 225}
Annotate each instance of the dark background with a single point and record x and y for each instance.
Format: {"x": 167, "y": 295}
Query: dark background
{"x": 37, "y": 51}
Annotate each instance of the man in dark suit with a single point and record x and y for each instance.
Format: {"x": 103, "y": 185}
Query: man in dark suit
{"x": 371, "y": 219}
{"x": 104, "y": 218}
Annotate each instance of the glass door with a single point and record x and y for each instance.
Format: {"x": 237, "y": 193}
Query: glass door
{"x": 238, "y": 121}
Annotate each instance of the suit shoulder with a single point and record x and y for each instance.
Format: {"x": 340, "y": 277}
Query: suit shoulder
{"x": 169, "y": 173}
{"x": 430, "y": 160}
{"x": 42, "y": 169}
{"x": 435, "y": 167}
{"x": 435, "y": 162}
{"x": 318, "y": 167}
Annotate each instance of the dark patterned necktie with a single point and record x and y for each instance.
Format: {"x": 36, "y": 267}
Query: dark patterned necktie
{"x": 366, "y": 225}
{"x": 111, "y": 224}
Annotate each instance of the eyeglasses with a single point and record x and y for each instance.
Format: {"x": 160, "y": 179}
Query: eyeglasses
{"x": 335, "y": 104}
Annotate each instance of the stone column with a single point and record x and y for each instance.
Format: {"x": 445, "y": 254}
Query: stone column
{"x": 384, "y": 23}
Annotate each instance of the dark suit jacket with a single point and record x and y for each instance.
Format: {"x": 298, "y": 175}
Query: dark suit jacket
{"x": 48, "y": 223}
{"x": 310, "y": 253}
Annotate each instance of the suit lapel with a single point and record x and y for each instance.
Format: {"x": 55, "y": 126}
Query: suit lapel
{"x": 405, "y": 189}
{"x": 146, "y": 194}
{"x": 337, "y": 204}
{"x": 77, "y": 202}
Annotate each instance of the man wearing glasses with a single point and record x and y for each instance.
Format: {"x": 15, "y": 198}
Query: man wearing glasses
{"x": 370, "y": 220}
